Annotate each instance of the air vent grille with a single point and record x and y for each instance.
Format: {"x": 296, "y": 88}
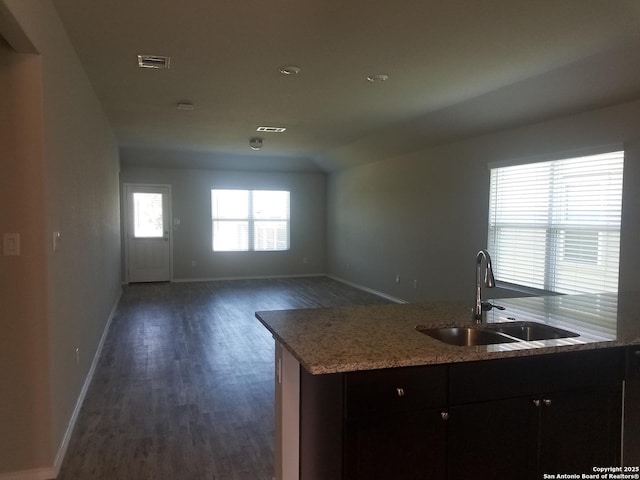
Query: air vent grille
{"x": 271, "y": 129}
{"x": 153, "y": 61}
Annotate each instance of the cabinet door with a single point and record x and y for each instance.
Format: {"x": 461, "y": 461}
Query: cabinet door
{"x": 580, "y": 429}
{"x": 404, "y": 446}
{"x": 492, "y": 440}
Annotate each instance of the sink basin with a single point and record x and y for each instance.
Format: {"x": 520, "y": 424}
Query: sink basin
{"x": 465, "y": 336}
{"x": 531, "y": 331}
{"x": 493, "y": 333}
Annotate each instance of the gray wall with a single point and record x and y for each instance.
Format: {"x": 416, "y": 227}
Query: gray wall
{"x": 24, "y": 348}
{"x": 423, "y": 215}
{"x": 59, "y": 164}
{"x": 191, "y": 203}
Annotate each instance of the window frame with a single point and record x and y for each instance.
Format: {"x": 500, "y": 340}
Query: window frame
{"x": 556, "y": 232}
{"x": 251, "y": 219}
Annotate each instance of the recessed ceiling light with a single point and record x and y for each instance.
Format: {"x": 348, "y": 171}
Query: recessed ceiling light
{"x": 290, "y": 70}
{"x": 188, "y": 106}
{"x": 271, "y": 129}
{"x": 153, "y": 61}
{"x": 380, "y": 77}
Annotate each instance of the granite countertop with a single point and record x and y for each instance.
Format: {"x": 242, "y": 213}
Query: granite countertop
{"x": 343, "y": 339}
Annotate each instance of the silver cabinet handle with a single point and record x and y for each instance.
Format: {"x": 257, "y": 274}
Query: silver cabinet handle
{"x": 444, "y": 415}
{"x": 547, "y": 402}
{"x": 400, "y": 392}
{"x": 536, "y": 402}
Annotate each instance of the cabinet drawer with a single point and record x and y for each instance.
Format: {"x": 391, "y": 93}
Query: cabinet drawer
{"x": 633, "y": 363}
{"x": 512, "y": 377}
{"x": 394, "y": 390}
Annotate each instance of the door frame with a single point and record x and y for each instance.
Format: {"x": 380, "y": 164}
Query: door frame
{"x": 127, "y": 224}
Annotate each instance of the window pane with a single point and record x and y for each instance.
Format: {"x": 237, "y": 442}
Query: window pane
{"x": 528, "y": 200}
{"x": 587, "y": 260}
{"x": 147, "y": 215}
{"x": 231, "y": 204}
{"x": 556, "y": 225}
{"x": 270, "y": 204}
{"x": 230, "y": 235}
{"x": 271, "y": 235}
{"x": 519, "y": 255}
{"x": 579, "y": 246}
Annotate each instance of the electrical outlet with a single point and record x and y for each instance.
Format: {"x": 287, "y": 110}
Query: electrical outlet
{"x": 11, "y": 244}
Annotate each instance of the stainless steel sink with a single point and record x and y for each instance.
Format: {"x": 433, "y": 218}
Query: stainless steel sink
{"x": 466, "y": 336}
{"x": 531, "y": 331}
{"x": 493, "y": 333}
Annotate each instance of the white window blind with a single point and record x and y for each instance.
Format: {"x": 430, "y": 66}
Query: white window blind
{"x": 556, "y": 225}
{"x": 245, "y": 220}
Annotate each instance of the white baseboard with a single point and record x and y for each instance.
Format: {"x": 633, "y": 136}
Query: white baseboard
{"x": 36, "y": 474}
{"x": 50, "y": 473}
{"x": 57, "y": 463}
{"x": 367, "y": 289}
{"x": 220, "y": 279}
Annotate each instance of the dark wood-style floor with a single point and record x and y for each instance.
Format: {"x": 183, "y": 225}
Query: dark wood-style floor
{"x": 184, "y": 386}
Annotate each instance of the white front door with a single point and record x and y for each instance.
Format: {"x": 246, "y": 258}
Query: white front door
{"x": 148, "y": 235}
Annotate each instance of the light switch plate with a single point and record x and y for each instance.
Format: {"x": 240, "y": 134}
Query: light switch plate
{"x": 11, "y": 244}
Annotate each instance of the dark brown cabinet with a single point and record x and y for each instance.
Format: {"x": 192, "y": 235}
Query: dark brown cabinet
{"x": 395, "y": 424}
{"x": 491, "y": 440}
{"x": 559, "y": 432}
{"x": 632, "y": 408}
{"x": 391, "y": 423}
{"x": 409, "y": 446}
{"x": 579, "y": 429}
{"x": 499, "y": 419}
{"x": 523, "y": 417}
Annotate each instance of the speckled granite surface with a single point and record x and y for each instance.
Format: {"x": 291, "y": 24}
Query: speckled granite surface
{"x": 331, "y": 340}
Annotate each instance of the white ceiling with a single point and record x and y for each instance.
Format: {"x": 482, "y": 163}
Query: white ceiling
{"x": 456, "y": 68}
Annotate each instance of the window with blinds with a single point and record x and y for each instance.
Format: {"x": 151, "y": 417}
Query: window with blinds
{"x": 244, "y": 220}
{"x": 556, "y": 225}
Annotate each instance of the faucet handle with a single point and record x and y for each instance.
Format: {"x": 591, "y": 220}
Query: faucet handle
{"x": 486, "y": 306}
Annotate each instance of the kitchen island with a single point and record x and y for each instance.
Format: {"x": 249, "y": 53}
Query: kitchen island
{"x": 362, "y": 386}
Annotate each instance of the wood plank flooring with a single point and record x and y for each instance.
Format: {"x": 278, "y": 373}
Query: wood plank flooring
{"x": 184, "y": 386}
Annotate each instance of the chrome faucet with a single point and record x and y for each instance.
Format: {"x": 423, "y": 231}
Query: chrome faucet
{"x": 489, "y": 282}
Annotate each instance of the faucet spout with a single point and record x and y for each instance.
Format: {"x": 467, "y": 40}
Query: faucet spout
{"x": 489, "y": 282}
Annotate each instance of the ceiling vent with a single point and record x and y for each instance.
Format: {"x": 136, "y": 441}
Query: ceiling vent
{"x": 271, "y": 129}
{"x": 378, "y": 78}
{"x": 153, "y": 61}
